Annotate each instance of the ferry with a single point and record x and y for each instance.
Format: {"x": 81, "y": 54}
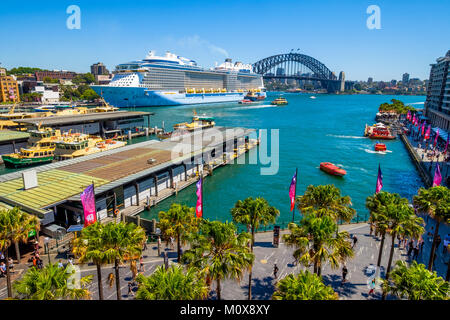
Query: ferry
{"x": 332, "y": 169}
{"x": 172, "y": 80}
{"x": 198, "y": 122}
{"x": 279, "y": 101}
{"x": 40, "y": 148}
{"x": 78, "y": 145}
{"x": 28, "y": 157}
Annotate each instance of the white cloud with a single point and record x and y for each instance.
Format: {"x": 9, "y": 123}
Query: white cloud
{"x": 195, "y": 42}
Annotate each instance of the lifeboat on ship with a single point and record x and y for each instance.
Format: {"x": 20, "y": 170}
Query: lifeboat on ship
{"x": 332, "y": 169}
{"x": 380, "y": 147}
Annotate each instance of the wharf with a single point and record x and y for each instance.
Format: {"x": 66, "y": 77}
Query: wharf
{"x": 125, "y": 177}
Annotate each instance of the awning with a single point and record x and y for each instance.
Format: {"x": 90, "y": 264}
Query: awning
{"x": 442, "y": 133}
{"x": 75, "y": 227}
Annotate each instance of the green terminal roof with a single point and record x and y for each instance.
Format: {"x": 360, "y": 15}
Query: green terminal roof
{"x": 9, "y": 135}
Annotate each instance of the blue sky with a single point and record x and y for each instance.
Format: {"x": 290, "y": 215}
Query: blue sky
{"x": 413, "y": 33}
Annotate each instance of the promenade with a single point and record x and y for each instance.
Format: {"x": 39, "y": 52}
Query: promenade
{"x": 360, "y": 268}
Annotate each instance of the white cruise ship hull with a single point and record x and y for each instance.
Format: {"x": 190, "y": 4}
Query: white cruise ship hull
{"x": 123, "y": 97}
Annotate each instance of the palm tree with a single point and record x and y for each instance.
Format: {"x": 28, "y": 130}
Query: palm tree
{"x": 415, "y": 282}
{"x": 326, "y": 200}
{"x": 218, "y": 252}
{"x": 121, "y": 241}
{"x": 253, "y": 213}
{"x": 377, "y": 205}
{"x": 52, "y": 283}
{"x": 172, "y": 284}
{"x": 403, "y": 222}
{"x": 434, "y": 201}
{"x": 317, "y": 240}
{"x": 177, "y": 222}
{"x": 90, "y": 247}
{"x": 304, "y": 286}
{"x": 14, "y": 227}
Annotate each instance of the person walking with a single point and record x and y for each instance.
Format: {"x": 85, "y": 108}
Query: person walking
{"x": 344, "y": 273}
{"x": 422, "y": 243}
{"x": 172, "y": 247}
{"x": 416, "y": 251}
{"x": 275, "y": 270}
{"x": 410, "y": 247}
{"x": 355, "y": 239}
{"x": 372, "y": 286}
{"x": 141, "y": 264}
{"x": 130, "y": 288}
{"x": 159, "y": 246}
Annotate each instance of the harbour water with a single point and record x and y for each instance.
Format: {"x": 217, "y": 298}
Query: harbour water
{"x": 328, "y": 128}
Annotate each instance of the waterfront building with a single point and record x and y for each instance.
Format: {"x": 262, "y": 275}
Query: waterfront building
{"x": 437, "y": 105}
{"x": 99, "y": 69}
{"x": 56, "y": 74}
{"x": 405, "y": 79}
{"x": 105, "y": 124}
{"x": 9, "y": 89}
{"x": 48, "y": 96}
{"x": 103, "y": 79}
{"x": 2, "y": 72}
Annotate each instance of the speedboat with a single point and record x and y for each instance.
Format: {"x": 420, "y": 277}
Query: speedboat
{"x": 246, "y": 101}
{"x": 380, "y": 147}
{"x": 312, "y": 97}
{"x": 332, "y": 169}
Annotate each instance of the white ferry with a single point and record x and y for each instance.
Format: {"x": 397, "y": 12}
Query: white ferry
{"x": 174, "y": 80}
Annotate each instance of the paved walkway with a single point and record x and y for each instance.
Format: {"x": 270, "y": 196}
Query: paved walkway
{"x": 360, "y": 268}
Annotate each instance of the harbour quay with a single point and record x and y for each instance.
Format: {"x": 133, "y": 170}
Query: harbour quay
{"x": 105, "y": 124}
{"x": 126, "y": 179}
{"x": 12, "y": 140}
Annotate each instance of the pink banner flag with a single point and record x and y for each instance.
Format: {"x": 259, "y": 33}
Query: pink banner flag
{"x": 437, "y": 136}
{"x": 292, "y": 190}
{"x": 437, "y": 176}
{"x": 88, "y": 202}
{"x": 423, "y": 128}
{"x": 408, "y": 116}
{"x": 379, "y": 180}
{"x": 414, "y": 119}
{"x": 199, "y": 206}
{"x": 427, "y": 135}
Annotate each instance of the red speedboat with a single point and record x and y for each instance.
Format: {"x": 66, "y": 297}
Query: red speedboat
{"x": 332, "y": 169}
{"x": 246, "y": 101}
{"x": 380, "y": 147}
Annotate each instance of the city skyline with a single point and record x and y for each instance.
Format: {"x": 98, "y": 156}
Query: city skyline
{"x": 383, "y": 54}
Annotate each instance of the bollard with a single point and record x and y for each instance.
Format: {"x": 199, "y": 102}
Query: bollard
{"x": 129, "y": 135}
{"x": 146, "y": 132}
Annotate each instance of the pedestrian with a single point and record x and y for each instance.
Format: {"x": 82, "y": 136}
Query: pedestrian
{"x": 410, "y": 247}
{"x": 416, "y": 251}
{"x": 2, "y": 269}
{"x": 355, "y": 239}
{"x": 371, "y": 228}
{"x": 130, "y": 288}
{"x": 421, "y": 245}
{"x": 11, "y": 263}
{"x": 438, "y": 241}
{"x": 344, "y": 273}
{"x": 172, "y": 243}
{"x": 372, "y": 286}
{"x": 275, "y": 270}
{"x": 159, "y": 246}
{"x": 399, "y": 241}
{"x": 34, "y": 261}
{"x": 141, "y": 265}
{"x": 145, "y": 245}
{"x": 39, "y": 263}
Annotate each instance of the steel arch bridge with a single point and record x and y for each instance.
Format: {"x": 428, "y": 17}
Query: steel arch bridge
{"x": 319, "y": 69}
{"x": 293, "y": 64}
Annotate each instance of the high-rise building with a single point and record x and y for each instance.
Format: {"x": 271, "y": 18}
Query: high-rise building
{"x": 405, "y": 79}
{"x": 99, "y": 69}
{"x": 370, "y": 80}
{"x": 437, "y": 105}
{"x": 9, "y": 89}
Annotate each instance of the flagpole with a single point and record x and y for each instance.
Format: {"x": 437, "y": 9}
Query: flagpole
{"x": 295, "y": 194}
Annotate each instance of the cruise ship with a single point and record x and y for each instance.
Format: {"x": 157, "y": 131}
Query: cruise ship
{"x": 173, "y": 80}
